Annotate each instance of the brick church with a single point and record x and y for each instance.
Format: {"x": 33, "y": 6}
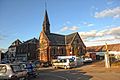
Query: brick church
{"x": 53, "y": 45}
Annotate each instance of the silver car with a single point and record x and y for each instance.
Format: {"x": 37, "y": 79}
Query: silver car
{"x": 12, "y": 72}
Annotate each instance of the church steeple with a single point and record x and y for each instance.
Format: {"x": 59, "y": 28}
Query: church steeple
{"x": 46, "y": 24}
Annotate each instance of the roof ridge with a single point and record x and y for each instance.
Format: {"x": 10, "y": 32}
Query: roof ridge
{"x": 57, "y": 34}
{"x": 73, "y": 37}
{"x": 70, "y": 36}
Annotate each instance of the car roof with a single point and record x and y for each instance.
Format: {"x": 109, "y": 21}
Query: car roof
{"x": 10, "y": 64}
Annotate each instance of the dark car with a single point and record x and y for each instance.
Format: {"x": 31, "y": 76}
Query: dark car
{"x": 30, "y": 68}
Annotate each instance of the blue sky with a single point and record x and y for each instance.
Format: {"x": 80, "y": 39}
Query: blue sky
{"x": 97, "y": 21}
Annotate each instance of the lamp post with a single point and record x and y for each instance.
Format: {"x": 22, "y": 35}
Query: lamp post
{"x": 107, "y": 61}
{"x": 0, "y": 56}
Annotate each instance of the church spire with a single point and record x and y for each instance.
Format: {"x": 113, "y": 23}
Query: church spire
{"x": 46, "y": 24}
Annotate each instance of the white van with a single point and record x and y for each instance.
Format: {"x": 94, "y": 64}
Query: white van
{"x": 64, "y": 63}
{"x": 77, "y": 60}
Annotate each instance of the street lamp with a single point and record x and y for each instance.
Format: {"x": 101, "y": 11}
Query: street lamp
{"x": 107, "y": 61}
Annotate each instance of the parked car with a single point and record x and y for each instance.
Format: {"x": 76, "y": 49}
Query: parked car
{"x": 30, "y": 68}
{"x": 64, "y": 63}
{"x": 5, "y": 61}
{"x": 37, "y": 63}
{"x": 12, "y": 72}
{"x": 87, "y": 60}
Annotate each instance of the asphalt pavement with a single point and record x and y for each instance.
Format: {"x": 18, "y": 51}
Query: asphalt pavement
{"x": 94, "y": 71}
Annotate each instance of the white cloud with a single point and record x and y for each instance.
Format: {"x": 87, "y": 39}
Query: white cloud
{"x": 115, "y": 13}
{"x": 67, "y": 22}
{"x": 114, "y": 31}
{"x": 117, "y": 16}
{"x": 72, "y": 28}
{"x": 92, "y": 37}
{"x": 88, "y": 24}
{"x": 88, "y": 34}
{"x": 64, "y": 29}
{"x": 95, "y": 43}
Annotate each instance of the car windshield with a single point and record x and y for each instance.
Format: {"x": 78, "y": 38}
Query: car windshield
{"x": 3, "y": 69}
{"x": 71, "y": 60}
{"x": 63, "y": 60}
{"x": 16, "y": 68}
{"x": 23, "y": 65}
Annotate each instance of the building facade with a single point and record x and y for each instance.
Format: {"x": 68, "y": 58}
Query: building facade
{"x": 27, "y": 50}
{"x": 23, "y": 51}
{"x": 52, "y": 45}
{"x": 12, "y": 50}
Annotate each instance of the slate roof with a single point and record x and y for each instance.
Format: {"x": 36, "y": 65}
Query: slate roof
{"x": 33, "y": 40}
{"x": 15, "y": 43}
{"x": 111, "y": 47}
{"x": 57, "y": 39}
{"x": 70, "y": 37}
{"x": 18, "y": 42}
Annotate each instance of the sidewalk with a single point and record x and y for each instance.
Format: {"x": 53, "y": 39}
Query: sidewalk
{"x": 99, "y": 72}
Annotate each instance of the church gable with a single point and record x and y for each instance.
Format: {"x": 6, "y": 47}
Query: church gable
{"x": 77, "y": 40}
{"x": 69, "y": 38}
{"x": 78, "y": 46}
{"x": 43, "y": 40}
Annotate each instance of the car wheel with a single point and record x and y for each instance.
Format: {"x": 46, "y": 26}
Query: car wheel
{"x": 21, "y": 78}
{"x": 14, "y": 78}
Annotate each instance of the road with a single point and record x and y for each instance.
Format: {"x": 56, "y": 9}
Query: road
{"x": 62, "y": 74}
{"x": 86, "y": 72}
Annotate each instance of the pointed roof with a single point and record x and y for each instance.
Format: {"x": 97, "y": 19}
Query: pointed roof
{"x": 46, "y": 24}
{"x": 69, "y": 38}
{"x": 46, "y": 19}
{"x": 33, "y": 40}
{"x": 15, "y": 43}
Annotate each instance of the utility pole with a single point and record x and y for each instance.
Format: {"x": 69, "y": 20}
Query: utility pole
{"x": 0, "y": 55}
{"x": 107, "y": 61}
